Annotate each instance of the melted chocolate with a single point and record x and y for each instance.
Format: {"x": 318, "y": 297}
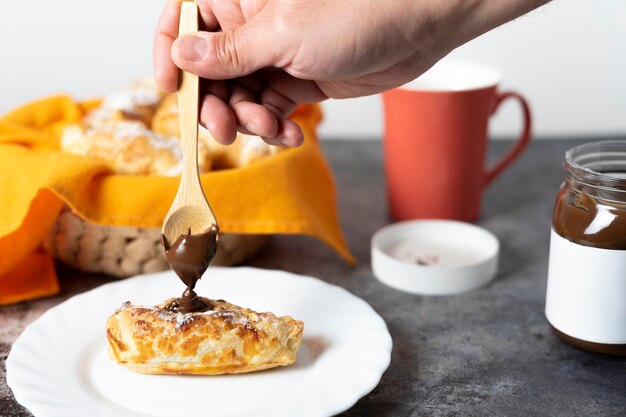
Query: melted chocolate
{"x": 189, "y": 256}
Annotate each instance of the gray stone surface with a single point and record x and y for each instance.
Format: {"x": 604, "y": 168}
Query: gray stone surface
{"x": 485, "y": 353}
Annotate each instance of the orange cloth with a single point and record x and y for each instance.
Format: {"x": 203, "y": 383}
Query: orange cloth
{"x": 290, "y": 192}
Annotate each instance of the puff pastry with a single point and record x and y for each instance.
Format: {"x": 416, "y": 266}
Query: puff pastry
{"x": 137, "y": 101}
{"x": 118, "y": 132}
{"x": 127, "y": 146}
{"x": 224, "y": 339}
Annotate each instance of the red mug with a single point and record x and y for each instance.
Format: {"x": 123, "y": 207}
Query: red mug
{"x": 436, "y": 141}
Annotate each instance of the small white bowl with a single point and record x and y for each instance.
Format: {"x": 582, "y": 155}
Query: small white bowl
{"x": 434, "y": 257}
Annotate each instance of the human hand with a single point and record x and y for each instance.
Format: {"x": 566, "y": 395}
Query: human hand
{"x": 260, "y": 58}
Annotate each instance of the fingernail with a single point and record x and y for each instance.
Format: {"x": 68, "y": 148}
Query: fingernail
{"x": 284, "y": 142}
{"x": 251, "y": 127}
{"x": 193, "y": 48}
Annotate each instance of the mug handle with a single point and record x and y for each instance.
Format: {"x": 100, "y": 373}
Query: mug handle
{"x": 521, "y": 143}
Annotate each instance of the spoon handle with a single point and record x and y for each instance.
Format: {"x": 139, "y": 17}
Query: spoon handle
{"x": 188, "y": 96}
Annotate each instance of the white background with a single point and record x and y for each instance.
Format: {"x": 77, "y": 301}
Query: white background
{"x": 568, "y": 58}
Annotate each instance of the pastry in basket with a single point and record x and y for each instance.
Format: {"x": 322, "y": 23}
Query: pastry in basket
{"x": 137, "y": 102}
{"x": 118, "y": 133}
{"x": 223, "y": 338}
{"x": 128, "y": 146}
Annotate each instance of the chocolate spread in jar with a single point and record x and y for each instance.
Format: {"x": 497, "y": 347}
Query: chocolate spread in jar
{"x": 585, "y": 220}
{"x": 595, "y": 222}
{"x": 189, "y": 257}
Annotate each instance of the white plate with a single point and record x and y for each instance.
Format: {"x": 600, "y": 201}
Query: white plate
{"x": 59, "y": 366}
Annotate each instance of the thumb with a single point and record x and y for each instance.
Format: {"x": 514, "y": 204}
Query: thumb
{"x": 223, "y": 55}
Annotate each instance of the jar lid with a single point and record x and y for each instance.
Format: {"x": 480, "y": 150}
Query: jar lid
{"x": 434, "y": 257}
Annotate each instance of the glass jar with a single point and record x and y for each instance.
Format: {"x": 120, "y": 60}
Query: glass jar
{"x": 586, "y": 293}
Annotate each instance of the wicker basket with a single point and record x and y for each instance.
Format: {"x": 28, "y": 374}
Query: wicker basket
{"x": 125, "y": 251}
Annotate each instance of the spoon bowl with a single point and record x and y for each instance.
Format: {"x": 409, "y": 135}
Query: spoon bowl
{"x": 188, "y": 220}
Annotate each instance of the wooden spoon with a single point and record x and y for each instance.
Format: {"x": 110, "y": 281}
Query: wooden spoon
{"x": 190, "y": 212}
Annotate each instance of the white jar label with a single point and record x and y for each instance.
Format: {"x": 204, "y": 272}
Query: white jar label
{"x": 586, "y": 295}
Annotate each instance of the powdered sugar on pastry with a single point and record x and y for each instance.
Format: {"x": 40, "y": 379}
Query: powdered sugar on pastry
{"x": 143, "y": 93}
{"x": 136, "y": 130}
{"x": 128, "y": 146}
{"x": 118, "y": 133}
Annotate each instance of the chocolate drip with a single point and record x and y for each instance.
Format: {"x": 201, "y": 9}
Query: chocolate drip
{"x": 189, "y": 256}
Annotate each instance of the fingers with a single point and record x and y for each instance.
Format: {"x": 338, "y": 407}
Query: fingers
{"x": 224, "y": 112}
{"x": 227, "y": 12}
{"x": 219, "y": 119}
{"x": 208, "y": 20}
{"x": 165, "y": 71}
{"x": 224, "y": 55}
{"x": 240, "y": 49}
{"x": 289, "y": 134}
{"x": 277, "y": 103}
{"x": 252, "y": 118}
{"x": 231, "y": 13}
